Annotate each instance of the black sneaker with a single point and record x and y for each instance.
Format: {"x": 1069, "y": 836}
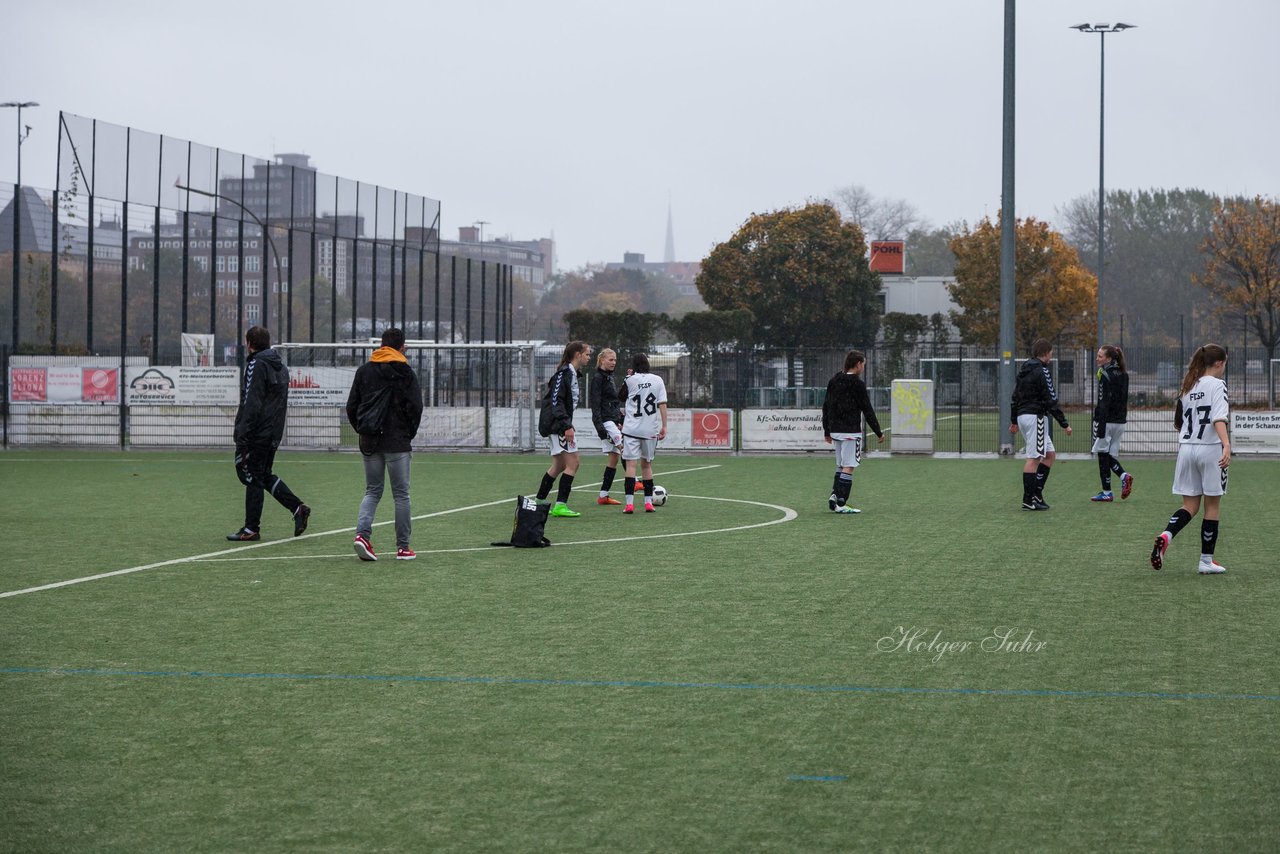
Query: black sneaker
{"x": 831, "y": 502}
{"x": 300, "y": 518}
{"x": 244, "y": 535}
{"x": 1040, "y": 505}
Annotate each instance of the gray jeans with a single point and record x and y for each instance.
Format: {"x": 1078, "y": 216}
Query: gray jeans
{"x": 375, "y": 467}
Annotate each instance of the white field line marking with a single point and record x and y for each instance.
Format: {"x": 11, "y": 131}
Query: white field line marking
{"x": 263, "y": 545}
{"x": 787, "y": 515}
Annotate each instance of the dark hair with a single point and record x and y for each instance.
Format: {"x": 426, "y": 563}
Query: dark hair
{"x": 640, "y": 363}
{"x": 853, "y": 359}
{"x": 1042, "y": 347}
{"x": 393, "y": 338}
{"x": 258, "y": 338}
{"x": 571, "y": 349}
{"x": 1202, "y": 359}
{"x": 1116, "y": 355}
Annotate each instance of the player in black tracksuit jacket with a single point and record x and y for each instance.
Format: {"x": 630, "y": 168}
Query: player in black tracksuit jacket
{"x": 1109, "y": 416}
{"x": 606, "y": 413}
{"x": 1034, "y": 400}
{"x": 259, "y": 427}
{"x": 560, "y": 401}
{"x": 842, "y": 410}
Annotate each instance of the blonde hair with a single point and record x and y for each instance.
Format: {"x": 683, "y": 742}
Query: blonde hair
{"x": 605, "y": 352}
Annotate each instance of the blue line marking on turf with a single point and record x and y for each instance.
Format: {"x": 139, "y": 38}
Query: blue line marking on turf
{"x": 814, "y": 778}
{"x": 634, "y": 683}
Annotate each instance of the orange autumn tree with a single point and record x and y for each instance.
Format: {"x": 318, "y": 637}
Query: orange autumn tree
{"x": 1055, "y": 296}
{"x": 1242, "y": 265}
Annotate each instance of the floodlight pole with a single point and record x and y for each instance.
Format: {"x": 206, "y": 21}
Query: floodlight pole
{"x": 265, "y": 233}
{"x": 1008, "y": 236}
{"x": 1101, "y": 30}
{"x": 17, "y": 218}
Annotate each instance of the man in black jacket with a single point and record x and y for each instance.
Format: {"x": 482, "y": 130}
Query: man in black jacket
{"x": 1034, "y": 400}
{"x": 264, "y": 401}
{"x": 385, "y": 408}
{"x": 842, "y": 410}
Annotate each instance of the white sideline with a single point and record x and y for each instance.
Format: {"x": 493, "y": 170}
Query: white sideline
{"x": 240, "y": 548}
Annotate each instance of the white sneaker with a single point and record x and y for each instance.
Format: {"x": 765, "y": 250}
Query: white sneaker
{"x": 1211, "y": 567}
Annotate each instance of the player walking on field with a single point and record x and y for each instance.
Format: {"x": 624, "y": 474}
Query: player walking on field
{"x": 259, "y": 427}
{"x": 606, "y": 415}
{"x": 842, "y": 410}
{"x": 1204, "y": 452}
{"x": 563, "y": 394}
{"x": 645, "y": 410}
{"x": 1034, "y": 400}
{"x": 1109, "y": 416}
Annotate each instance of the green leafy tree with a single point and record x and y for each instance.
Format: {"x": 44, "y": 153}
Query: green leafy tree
{"x": 1242, "y": 265}
{"x": 1152, "y": 256}
{"x": 901, "y": 332}
{"x": 928, "y": 251}
{"x": 705, "y": 332}
{"x": 625, "y": 331}
{"x": 1054, "y": 293}
{"x": 803, "y": 275}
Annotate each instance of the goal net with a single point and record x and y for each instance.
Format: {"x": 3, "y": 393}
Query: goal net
{"x": 475, "y": 396}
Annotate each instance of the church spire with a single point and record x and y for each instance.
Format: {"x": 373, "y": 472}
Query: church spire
{"x": 669, "y": 254}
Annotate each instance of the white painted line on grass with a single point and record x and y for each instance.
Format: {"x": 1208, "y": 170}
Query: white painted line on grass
{"x": 261, "y": 545}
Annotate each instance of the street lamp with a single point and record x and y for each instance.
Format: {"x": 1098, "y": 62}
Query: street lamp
{"x": 21, "y": 136}
{"x": 1101, "y": 30}
{"x": 265, "y": 233}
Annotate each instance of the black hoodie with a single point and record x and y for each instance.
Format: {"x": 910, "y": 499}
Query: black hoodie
{"x": 263, "y": 401}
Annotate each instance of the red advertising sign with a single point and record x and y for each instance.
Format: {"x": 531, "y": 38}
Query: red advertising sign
{"x": 28, "y": 384}
{"x": 888, "y": 256}
{"x": 99, "y": 385}
{"x": 710, "y": 428}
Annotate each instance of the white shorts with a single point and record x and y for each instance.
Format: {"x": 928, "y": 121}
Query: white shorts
{"x": 848, "y": 449}
{"x": 1035, "y": 435}
{"x": 560, "y": 446}
{"x": 607, "y": 447}
{"x": 639, "y": 449}
{"x": 1109, "y": 443}
{"x": 1197, "y": 472}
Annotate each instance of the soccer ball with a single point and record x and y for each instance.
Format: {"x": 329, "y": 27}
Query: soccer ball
{"x": 659, "y": 496}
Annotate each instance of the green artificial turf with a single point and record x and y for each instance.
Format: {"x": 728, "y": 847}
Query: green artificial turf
{"x": 724, "y": 674}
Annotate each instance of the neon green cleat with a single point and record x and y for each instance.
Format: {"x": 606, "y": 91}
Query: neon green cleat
{"x": 562, "y": 509}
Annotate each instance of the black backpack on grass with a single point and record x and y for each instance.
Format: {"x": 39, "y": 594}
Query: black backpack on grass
{"x": 530, "y": 522}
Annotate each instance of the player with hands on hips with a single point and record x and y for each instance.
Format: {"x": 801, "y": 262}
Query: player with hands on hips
{"x": 1034, "y": 400}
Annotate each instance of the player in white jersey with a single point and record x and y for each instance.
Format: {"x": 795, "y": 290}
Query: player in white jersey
{"x": 1204, "y": 452}
{"x": 645, "y": 422}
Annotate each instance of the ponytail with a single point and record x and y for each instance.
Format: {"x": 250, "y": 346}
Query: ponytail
{"x": 1204, "y": 356}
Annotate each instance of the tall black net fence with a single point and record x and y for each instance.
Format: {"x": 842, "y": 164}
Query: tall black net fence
{"x": 159, "y": 252}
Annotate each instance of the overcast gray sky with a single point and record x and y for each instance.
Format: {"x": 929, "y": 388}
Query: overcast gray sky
{"x": 586, "y": 119}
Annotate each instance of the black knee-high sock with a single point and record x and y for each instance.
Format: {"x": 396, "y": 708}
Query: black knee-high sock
{"x": 1115, "y": 465}
{"x": 1177, "y": 522}
{"x": 607, "y": 483}
{"x": 844, "y": 486}
{"x": 1208, "y": 536}
{"x": 648, "y": 488}
{"x": 566, "y": 484}
{"x": 1104, "y": 471}
{"x": 545, "y": 489}
{"x": 1028, "y": 486}
{"x": 835, "y": 484}
{"x": 1042, "y": 477}
{"x": 629, "y": 485}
